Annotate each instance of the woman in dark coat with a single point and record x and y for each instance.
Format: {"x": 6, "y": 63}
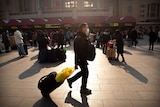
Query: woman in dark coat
{"x": 152, "y": 39}
{"x": 120, "y": 45}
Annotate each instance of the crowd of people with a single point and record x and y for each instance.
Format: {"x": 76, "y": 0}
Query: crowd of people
{"x": 58, "y": 39}
{"x": 61, "y": 37}
{"x": 130, "y": 35}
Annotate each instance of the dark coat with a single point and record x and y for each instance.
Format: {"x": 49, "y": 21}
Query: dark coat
{"x": 105, "y": 38}
{"x": 120, "y": 43}
{"x": 5, "y": 38}
{"x": 42, "y": 41}
{"x": 80, "y": 48}
{"x": 152, "y": 36}
{"x": 60, "y": 37}
{"x": 134, "y": 35}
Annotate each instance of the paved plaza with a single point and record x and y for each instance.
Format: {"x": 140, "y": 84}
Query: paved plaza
{"x": 135, "y": 83}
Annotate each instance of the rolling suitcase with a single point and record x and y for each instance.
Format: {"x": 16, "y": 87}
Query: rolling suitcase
{"x": 111, "y": 50}
{"x": 111, "y": 53}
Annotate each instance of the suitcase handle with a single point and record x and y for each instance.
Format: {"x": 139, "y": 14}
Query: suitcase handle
{"x": 42, "y": 78}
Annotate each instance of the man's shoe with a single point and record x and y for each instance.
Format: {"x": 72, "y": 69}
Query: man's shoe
{"x": 86, "y": 91}
{"x": 69, "y": 83}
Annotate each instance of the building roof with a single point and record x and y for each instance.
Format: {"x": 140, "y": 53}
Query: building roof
{"x": 13, "y": 22}
{"x": 39, "y": 21}
{"x": 26, "y": 22}
{"x": 53, "y": 21}
{"x": 130, "y": 19}
{"x": 113, "y": 19}
{"x": 2, "y": 23}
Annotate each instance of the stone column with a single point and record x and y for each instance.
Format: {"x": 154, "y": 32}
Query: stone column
{"x": 5, "y": 13}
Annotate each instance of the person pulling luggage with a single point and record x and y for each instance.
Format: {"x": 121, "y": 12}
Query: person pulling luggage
{"x": 80, "y": 49}
{"x": 120, "y": 45}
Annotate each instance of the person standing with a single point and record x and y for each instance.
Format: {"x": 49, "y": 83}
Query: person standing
{"x": 120, "y": 45}
{"x": 68, "y": 37}
{"x": 134, "y": 36}
{"x": 60, "y": 36}
{"x": 152, "y": 39}
{"x": 129, "y": 38}
{"x": 98, "y": 39}
{"x": 19, "y": 42}
{"x": 80, "y": 49}
{"x": 34, "y": 38}
{"x": 105, "y": 39}
{"x": 43, "y": 42}
{"x": 6, "y": 40}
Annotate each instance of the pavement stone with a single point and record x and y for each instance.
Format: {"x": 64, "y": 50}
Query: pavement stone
{"x": 135, "y": 83}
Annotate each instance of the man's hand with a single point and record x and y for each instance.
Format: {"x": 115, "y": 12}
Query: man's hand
{"x": 76, "y": 67}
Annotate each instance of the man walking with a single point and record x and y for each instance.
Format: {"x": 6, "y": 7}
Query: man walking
{"x": 80, "y": 49}
{"x": 120, "y": 45}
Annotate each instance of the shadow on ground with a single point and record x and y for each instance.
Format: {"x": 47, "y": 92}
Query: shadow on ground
{"x": 36, "y": 67}
{"x": 145, "y": 51}
{"x": 130, "y": 70}
{"x": 34, "y": 57}
{"x": 127, "y": 52}
{"x": 70, "y": 100}
{"x": 34, "y": 49}
{"x": 9, "y": 61}
{"x": 45, "y": 102}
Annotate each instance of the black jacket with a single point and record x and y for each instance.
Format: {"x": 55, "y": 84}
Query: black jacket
{"x": 134, "y": 35}
{"x": 152, "y": 36}
{"x": 5, "y": 38}
{"x": 120, "y": 43}
{"x": 42, "y": 41}
{"x": 60, "y": 38}
{"x": 80, "y": 48}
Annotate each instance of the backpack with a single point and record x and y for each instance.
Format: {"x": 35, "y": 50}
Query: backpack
{"x": 91, "y": 52}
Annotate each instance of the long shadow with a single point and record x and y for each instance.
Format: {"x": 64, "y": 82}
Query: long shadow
{"x": 35, "y": 49}
{"x": 34, "y": 57}
{"x": 9, "y": 61}
{"x": 127, "y": 52}
{"x": 145, "y": 51}
{"x": 45, "y": 102}
{"x": 70, "y": 100}
{"x": 35, "y": 68}
{"x": 131, "y": 71}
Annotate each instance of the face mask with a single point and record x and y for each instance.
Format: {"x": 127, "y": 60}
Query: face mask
{"x": 87, "y": 31}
